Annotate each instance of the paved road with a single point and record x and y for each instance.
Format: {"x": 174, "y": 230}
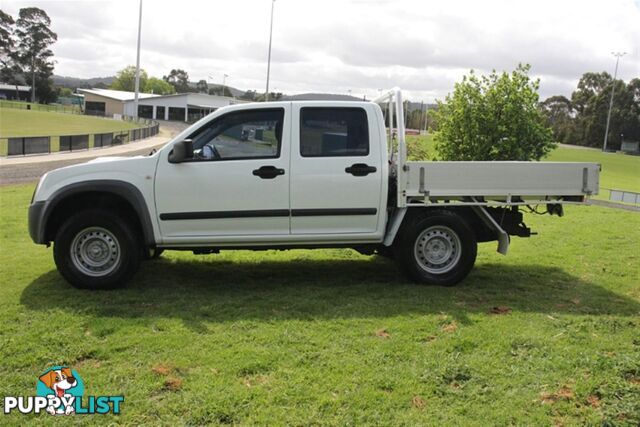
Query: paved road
{"x": 30, "y": 172}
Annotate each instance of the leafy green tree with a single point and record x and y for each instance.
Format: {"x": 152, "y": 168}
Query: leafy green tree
{"x": 126, "y": 79}
{"x": 202, "y": 86}
{"x": 179, "y": 79}
{"x": 158, "y": 86}
{"x": 249, "y": 95}
{"x": 590, "y": 101}
{"x": 9, "y": 68}
{"x": 33, "y": 55}
{"x": 220, "y": 91}
{"x": 494, "y": 117}
{"x": 559, "y": 113}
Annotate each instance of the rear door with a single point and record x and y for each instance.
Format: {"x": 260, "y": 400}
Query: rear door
{"x": 336, "y": 170}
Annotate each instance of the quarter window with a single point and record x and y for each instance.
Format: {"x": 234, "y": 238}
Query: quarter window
{"x": 329, "y": 132}
{"x": 251, "y": 134}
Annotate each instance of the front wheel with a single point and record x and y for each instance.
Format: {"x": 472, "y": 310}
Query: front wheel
{"x": 96, "y": 250}
{"x": 437, "y": 248}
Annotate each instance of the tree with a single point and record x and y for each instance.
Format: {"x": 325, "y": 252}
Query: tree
{"x": 33, "y": 54}
{"x": 220, "y": 91}
{"x": 126, "y": 79}
{"x": 179, "y": 79}
{"x": 589, "y": 107}
{"x": 6, "y": 46}
{"x": 202, "y": 86}
{"x": 559, "y": 113}
{"x": 158, "y": 86}
{"x": 494, "y": 117}
{"x": 249, "y": 95}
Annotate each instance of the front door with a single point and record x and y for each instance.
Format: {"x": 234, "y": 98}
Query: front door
{"x": 336, "y": 171}
{"x": 237, "y": 184}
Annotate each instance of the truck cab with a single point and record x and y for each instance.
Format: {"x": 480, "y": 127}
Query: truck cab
{"x": 311, "y": 174}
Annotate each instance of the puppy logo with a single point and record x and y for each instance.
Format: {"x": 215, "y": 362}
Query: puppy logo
{"x": 65, "y": 385}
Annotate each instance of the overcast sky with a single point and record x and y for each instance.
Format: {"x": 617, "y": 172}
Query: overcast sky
{"x": 337, "y": 46}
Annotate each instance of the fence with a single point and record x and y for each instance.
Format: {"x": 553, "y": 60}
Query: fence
{"x": 49, "y": 144}
{"x": 73, "y": 109}
{"x": 624, "y": 196}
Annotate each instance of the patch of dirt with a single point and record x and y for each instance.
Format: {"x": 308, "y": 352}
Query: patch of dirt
{"x": 593, "y": 401}
{"x": 255, "y": 380}
{"x": 450, "y": 327}
{"x": 500, "y": 309}
{"x": 382, "y": 333}
{"x": 565, "y": 393}
{"x": 429, "y": 339}
{"x": 418, "y": 402}
{"x": 162, "y": 369}
{"x": 173, "y": 384}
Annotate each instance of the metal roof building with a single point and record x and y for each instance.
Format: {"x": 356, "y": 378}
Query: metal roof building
{"x": 13, "y": 92}
{"x": 179, "y": 107}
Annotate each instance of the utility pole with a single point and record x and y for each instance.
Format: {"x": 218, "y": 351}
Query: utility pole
{"x": 135, "y": 102}
{"x": 224, "y": 81}
{"x": 421, "y": 116}
{"x": 613, "y": 89}
{"x": 266, "y": 96}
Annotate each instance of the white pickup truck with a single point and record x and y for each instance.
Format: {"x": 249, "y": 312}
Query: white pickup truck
{"x": 283, "y": 175}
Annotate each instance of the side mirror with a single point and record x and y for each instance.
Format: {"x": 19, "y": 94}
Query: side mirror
{"x": 183, "y": 150}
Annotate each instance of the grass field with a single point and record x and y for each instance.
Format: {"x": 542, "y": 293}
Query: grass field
{"x": 619, "y": 171}
{"x": 545, "y": 336}
{"x": 39, "y": 123}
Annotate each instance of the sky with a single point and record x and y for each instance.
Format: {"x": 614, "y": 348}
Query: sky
{"x": 348, "y": 46}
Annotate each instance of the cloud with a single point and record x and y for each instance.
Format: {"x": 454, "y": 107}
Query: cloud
{"x": 341, "y": 45}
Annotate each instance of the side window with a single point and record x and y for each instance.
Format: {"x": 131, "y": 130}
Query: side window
{"x": 250, "y": 134}
{"x": 328, "y": 132}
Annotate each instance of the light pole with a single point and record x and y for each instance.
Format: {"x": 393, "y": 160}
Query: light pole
{"x": 224, "y": 80}
{"x": 613, "y": 89}
{"x": 137, "y": 85}
{"x": 266, "y": 96}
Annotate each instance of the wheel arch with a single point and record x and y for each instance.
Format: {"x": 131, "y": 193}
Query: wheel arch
{"x": 106, "y": 194}
{"x": 479, "y": 228}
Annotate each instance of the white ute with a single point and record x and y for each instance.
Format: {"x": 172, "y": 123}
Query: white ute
{"x": 283, "y": 175}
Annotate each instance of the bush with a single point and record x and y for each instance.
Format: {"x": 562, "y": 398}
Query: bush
{"x": 493, "y": 117}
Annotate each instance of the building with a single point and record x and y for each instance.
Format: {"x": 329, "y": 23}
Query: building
{"x": 15, "y": 93}
{"x": 179, "y": 107}
{"x": 631, "y": 147}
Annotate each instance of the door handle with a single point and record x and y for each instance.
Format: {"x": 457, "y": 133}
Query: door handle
{"x": 268, "y": 172}
{"x": 360, "y": 169}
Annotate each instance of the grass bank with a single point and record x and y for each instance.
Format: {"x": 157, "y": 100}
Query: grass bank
{"x": 16, "y": 123}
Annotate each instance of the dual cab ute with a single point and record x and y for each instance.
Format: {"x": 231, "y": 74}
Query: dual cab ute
{"x": 282, "y": 175}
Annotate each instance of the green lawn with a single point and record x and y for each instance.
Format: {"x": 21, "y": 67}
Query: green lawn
{"x": 15, "y": 122}
{"x": 545, "y": 336}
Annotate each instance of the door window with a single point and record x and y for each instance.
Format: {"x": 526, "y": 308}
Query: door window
{"x": 331, "y": 132}
{"x": 250, "y": 134}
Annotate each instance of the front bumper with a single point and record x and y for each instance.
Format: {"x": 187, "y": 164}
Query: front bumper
{"x": 36, "y": 222}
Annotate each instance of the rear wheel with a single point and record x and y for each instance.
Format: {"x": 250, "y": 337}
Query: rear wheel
{"x": 96, "y": 250}
{"x": 437, "y": 248}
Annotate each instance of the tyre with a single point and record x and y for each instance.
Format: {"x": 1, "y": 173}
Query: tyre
{"x": 437, "y": 248}
{"x": 96, "y": 250}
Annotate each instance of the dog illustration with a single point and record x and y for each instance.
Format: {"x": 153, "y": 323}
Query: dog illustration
{"x": 60, "y": 380}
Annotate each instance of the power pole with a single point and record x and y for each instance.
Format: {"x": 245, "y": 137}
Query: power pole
{"x": 613, "y": 89}
{"x": 135, "y": 102}
{"x": 266, "y": 95}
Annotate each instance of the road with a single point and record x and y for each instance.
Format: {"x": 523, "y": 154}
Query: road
{"x": 30, "y": 172}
